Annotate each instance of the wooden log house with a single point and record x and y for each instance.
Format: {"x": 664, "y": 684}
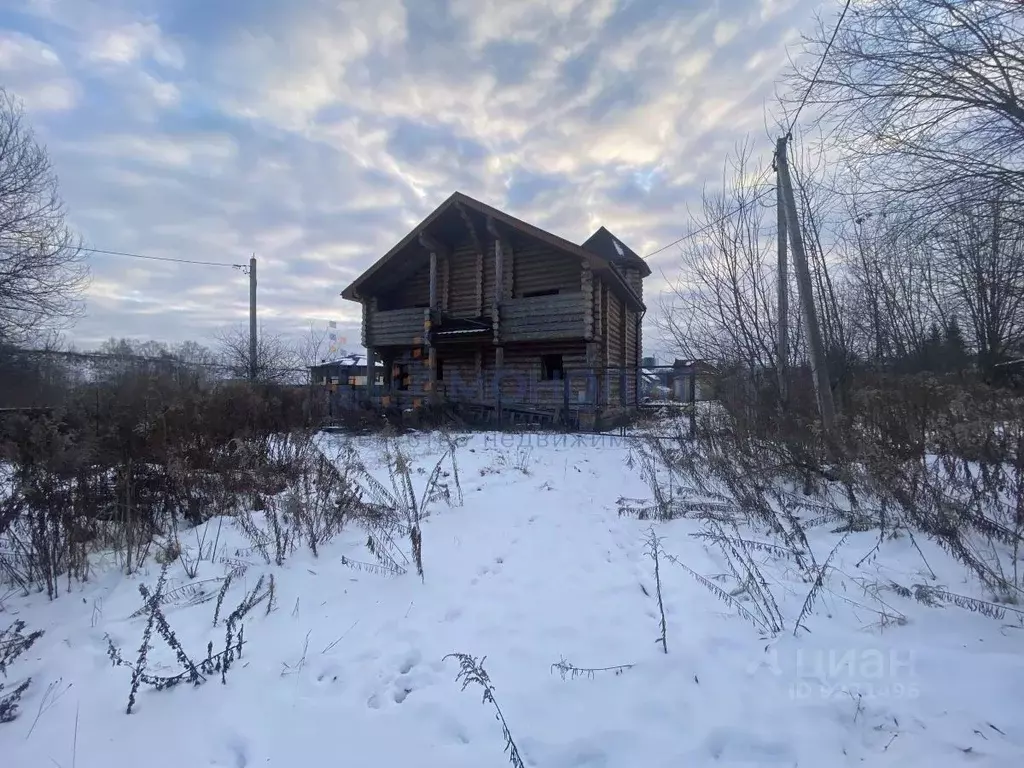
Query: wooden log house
{"x": 480, "y": 310}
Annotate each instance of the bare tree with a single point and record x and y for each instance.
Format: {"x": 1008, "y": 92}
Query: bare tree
{"x": 893, "y": 294}
{"x": 42, "y": 270}
{"x": 922, "y": 94}
{"x": 194, "y": 353}
{"x": 275, "y": 359}
{"x": 313, "y": 347}
{"x": 723, "y": 304}
{"x": 981, "y": 264}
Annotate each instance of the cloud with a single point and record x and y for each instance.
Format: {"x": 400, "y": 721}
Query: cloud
{"x": 131, "y": 43}
{"x": 35, "y": 73}
{"x": 314, "y": 133}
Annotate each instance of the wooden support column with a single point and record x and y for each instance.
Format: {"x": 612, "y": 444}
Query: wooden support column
{"x": 508, "y": 263}
{"x": 623, "y": 357}
{"x": 502, "y": 290}
{"x": 478, "y": 368}
{"x": 433, "y": 280}
{"x": 478, "y": 246}
{"x": 371, "y": 350}
{"x": 639, "y": 358}
{"x": 447, "y": 282}
{"x": 371, "y": 372}
{"x": 365, "y": 330}
{"x": 499, "y": 295}
{"x": 605, "y": 301}
{"x": 480, "y": 283}
{"x": 587, "y": 287}
{"x": 499, "y": 351}
{"x": 427, "y": 325}
{"x": 498, "y": 287}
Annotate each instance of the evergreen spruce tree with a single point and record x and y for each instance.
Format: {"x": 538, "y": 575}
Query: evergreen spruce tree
{"x": 932, "y": 349}
{"x": 955, "y": 347}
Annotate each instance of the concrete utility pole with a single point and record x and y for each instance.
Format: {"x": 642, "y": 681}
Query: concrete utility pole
{"x": 782, "y": 351}
{"x": 819, "y": 366}
{"x": 252, "y": 319}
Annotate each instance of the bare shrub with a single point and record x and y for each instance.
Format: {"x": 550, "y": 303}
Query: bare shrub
{"x": 568, "y": 670}
{"x": 14, "y": 642}
{"x": 398, "y": 510}
{"x": 193, "y": 672}
{"x": 654, "y": 552}
{"x": 135, "y": 454}
{"x": 472, "y": 672}
{"x": 915, "y": 456}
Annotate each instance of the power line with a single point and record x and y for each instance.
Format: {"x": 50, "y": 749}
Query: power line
{"x": 789, "y": 135}
{"x": 716, "y": 222}
{"x": 821, "y": 63}
{"x": 163, "y": 258}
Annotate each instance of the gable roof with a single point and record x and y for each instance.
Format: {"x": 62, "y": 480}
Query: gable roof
{"x": 600, "y": 264}
{"x": 609, "y": 247}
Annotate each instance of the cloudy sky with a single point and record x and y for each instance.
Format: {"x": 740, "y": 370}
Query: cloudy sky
{"x": 315, "y": 133}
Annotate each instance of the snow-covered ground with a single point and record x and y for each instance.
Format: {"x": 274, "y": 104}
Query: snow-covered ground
{"x": 535, "y": 567}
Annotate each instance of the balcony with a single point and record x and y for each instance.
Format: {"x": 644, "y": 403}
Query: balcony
{"x": 396, "y": 327}
{"x": 539, "y": 318}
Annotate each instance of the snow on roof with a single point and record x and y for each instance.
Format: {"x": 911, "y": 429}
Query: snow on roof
{"x": 618, "y": 247}
{"x": 355, "y": 359}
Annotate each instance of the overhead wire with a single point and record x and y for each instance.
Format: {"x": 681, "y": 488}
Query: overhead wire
{"x": 162, "y": 258}
{"x": 725, "y": 217}
{"x": 789, "y": 137}
{"x": 817, "y": 71}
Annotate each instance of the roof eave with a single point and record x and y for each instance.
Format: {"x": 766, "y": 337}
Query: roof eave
{"x": 352, "y": 292}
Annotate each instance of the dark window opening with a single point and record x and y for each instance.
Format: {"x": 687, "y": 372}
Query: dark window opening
{"x": 401, "y": 377}
{"x": 548, "y": 292}
{"x": 551, "y": 368}
{"x": 439, "y": 366}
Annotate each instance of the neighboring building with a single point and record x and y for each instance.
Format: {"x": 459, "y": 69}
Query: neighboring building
{"x": 347, "y": 371}
{"x": 655, "y": 381}
{"x": 693, "y": 380}
{"x": 475, "y": 306}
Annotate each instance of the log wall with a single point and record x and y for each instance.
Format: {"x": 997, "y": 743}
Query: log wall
{"x": 538, "y": 268}
{"x": 540, "y": 318}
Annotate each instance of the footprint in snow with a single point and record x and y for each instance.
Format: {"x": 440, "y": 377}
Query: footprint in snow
{"x": 237, "y": 757}
{"x": 736, "y": 745}
{"x": 329, "y": 675}
{"x": 401, "y": 692}
{"x": 453, "y": 614}
{"x": 411, "y": 659}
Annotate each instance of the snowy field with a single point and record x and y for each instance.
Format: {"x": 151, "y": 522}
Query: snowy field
{"x": 535, "y": 567}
